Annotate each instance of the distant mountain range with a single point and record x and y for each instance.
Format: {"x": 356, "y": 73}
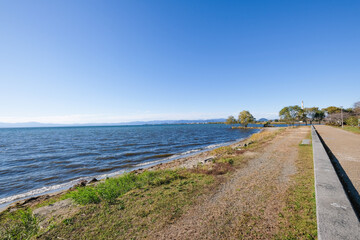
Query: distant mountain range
{"x": 37, "y": 124}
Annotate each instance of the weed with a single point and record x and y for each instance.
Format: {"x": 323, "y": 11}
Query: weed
{"x": 85, "y": 195}
{"x": 225, "y": 160}
{"x": 20, "y": 224}
{"x": 223, "y": 150}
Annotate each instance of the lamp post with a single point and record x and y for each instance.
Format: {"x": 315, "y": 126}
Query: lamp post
{"x": 342, "y": 119}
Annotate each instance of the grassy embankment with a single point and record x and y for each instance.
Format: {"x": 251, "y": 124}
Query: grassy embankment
{"x": 298, "y": 218}
{"x": 351, "y": 129}
{"x": 133, "y": 205}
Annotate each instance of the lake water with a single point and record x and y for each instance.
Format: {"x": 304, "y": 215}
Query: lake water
{"x": 38, "y": 160}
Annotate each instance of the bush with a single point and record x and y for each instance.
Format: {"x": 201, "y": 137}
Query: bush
{"x": 85, "y": 195}
{"x": 352, "y": 121}
{"x": 226, "y": 160}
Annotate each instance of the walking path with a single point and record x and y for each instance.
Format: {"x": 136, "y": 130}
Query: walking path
{"x": 256, "y": 190}
{"x": 346, "y": 148}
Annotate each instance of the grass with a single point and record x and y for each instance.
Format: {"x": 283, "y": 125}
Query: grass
{"x": 112, "y": 188}
{"x": 298, "y": 218}
{"x": 351, "y": 129}
{"x": 118, "y": 208}
{"x": 19, "y": 224}
{"x": 153, "y": 200}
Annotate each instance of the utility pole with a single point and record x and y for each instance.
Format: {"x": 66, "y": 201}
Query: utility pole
{"x": 342, "y": 119}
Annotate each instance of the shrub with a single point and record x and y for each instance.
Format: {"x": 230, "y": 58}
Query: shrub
{"x": 226, "y": 160}
{"x": 352, "y": 121}
{"x": 85, "y": 195}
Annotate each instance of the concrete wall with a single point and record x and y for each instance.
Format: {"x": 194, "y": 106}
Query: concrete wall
{"x": 336, "y": 217}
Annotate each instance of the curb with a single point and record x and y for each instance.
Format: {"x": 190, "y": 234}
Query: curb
{"x": 336, "y": 217}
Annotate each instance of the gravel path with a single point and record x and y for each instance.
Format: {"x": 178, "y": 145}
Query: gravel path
{"x": 346, "y": 148}
{"x": 254, "y": 191}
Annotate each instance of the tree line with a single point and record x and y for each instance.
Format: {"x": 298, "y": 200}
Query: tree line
{"x": 244, "y": 118}
{"x": 331, "y": 115}
{"x": 291, "y": 114}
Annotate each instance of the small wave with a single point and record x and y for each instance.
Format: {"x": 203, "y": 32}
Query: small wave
{"x": 73, "y": 165}
{"x": 38, "y": 191}
{"x": 129, "y": 144}
{"x": 190, "y": 144}
{"x": 87, "y": 154}
{"x": 106, "y": 158}
{"x": 157, "y": 156}
{"x": 46, "y": 179}
{"x": 135, "y": 153}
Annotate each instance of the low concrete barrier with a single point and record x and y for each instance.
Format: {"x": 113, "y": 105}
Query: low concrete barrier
{"x": 336, "y": 217}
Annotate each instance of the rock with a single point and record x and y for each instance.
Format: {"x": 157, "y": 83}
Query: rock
{"x": 93, "y": 180}
{"x": 55, "y": 213}
{"x": 82, "y": 183}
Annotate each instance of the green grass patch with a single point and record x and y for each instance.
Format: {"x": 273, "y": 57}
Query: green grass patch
{"x": 112, "y": 188}
{"x": 351, "y": 129}
{"x": 229, "y": 160}
{"x": 20, "y": 224}
{"x": 298, "y": 218}
{"x": 154, "y": 199}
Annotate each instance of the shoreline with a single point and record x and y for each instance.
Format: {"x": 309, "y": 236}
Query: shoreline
{"x": 189, "y": 160}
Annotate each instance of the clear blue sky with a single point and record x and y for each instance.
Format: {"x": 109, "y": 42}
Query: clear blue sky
{"x": 114, "y": 61}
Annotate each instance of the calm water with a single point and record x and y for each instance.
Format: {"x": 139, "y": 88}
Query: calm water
{"x": 38, "y": 160}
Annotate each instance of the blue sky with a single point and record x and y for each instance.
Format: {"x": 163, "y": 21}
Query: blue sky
{"x": 114, "y": 61}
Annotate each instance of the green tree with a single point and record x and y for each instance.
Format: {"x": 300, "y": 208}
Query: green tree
{"x": 290, "y": 114}
{"x": 245, "y": 118}
{"x": 352, "y": 121}
{"x": 301, "y": 115}
{"x": 311, "y": 113}
{"x": 331, "y": 110}
{"x": 319, "y": 116}
{"x": 231, "y": 120}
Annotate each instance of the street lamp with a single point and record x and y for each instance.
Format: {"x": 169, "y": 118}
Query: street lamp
{"x": 342, "y": 119}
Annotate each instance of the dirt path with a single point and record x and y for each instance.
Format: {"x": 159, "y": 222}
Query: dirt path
{"x": 253, "y": 194}
{"x": 346, "y": 148}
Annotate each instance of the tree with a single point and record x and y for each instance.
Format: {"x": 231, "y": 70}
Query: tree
{"x": 357, "y": 108}
{"x": 245, "y": 118}
{"x": 231, "y": 120}
{"x": 319, "y": 116}
{"x": 290, "y": 114}
{"x": 357, "y": 104}
{"x": 312, "y": 113}
{"x": 352, "y": 121}
{"x": 331, "y": 110}
{"x": 301, "y": 116}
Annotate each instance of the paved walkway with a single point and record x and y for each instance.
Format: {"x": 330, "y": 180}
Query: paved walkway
{"x": 346, "y": 148}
